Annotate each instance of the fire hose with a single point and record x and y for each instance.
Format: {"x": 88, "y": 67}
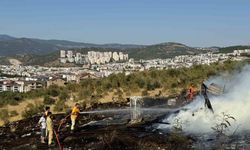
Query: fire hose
{"x": 62, "y": 122}
{"x": 56, "y": 133}
{"x": 58, "y": 142}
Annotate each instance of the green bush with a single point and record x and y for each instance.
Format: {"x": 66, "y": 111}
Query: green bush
{"x": 4, "y": 115}
{"x": 53, "y": 90}
{"x": 140, "y": 83}
{"x": 10, "y": 98}
{"x": 59, "y": 105}
{"x": 64, "y": 95}
{"x": 32, "y": 110}
{"x": 47, "y": 100}
{"x": 150, "y": 86}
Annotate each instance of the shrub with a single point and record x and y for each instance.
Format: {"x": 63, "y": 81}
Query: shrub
{"x": 10, "y": 98}
{"x": 4, "y": 115}
{"x": 64, "y": 95}
{"x": 140, "y": 83}
{"x": 150, "y": 86}
{"x": 59, "y": 106}
{"x": 32, "y": 110}
{"x": 48, "y": 100}
{"x": 54, "y": 90}
{"x": 157, "y": 84}
{"x": 224, "y": 124}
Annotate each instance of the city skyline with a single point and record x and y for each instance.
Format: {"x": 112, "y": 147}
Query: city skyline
{"x": 194, "y": 23}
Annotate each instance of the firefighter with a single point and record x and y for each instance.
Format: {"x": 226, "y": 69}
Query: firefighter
{"x": 190, "y": 92}
{"x": 42, "y": 124}
{"x": 49, "y": 128}
{"x": 74, "y": 114}
{"x": 46, "y": 112}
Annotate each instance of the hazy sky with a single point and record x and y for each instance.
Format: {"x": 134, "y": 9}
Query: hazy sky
{"x": 192, "y": 22}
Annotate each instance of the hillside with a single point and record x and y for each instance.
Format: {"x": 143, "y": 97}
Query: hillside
{"x": 10, "y": 46}
{"x": 25, "y": 46}
{"x": 4, "y": 37}
{"x": 230, "y": 49}
{"x": 163, "y": 50}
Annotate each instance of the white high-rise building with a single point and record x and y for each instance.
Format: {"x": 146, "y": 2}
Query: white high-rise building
{"x": 120, "y": 56}
{"x": 62, "y": 53}
{"x": 69, "y": 54}
{"x": 115, "y": 56}
{"x": 125, "y": 57}
{"x": 78, "y": 58}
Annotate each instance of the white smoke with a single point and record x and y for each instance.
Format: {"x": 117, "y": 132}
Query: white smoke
{"x": 235, "y": 101}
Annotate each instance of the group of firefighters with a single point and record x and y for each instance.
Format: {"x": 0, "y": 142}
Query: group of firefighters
{"x": 46, "y": 123}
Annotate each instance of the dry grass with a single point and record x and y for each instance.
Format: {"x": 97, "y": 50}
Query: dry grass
{"x": 20, "y": 108}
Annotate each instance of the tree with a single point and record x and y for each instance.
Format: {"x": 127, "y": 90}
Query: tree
{"x": 54, "y": 90}
{"x": 64, "y": 95}
{"x": 140, "y": 82}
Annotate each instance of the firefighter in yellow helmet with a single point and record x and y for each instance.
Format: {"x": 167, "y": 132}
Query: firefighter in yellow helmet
{"x": 74, "y": 114}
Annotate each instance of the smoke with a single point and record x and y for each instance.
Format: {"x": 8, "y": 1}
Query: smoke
{"x": 235, "y": 101}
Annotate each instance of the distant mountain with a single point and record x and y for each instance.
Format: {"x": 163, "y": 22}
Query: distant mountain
{"x": 25, "y": 46}
{"x": 12, "y": 46}
{"x": 4, "y": 37}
